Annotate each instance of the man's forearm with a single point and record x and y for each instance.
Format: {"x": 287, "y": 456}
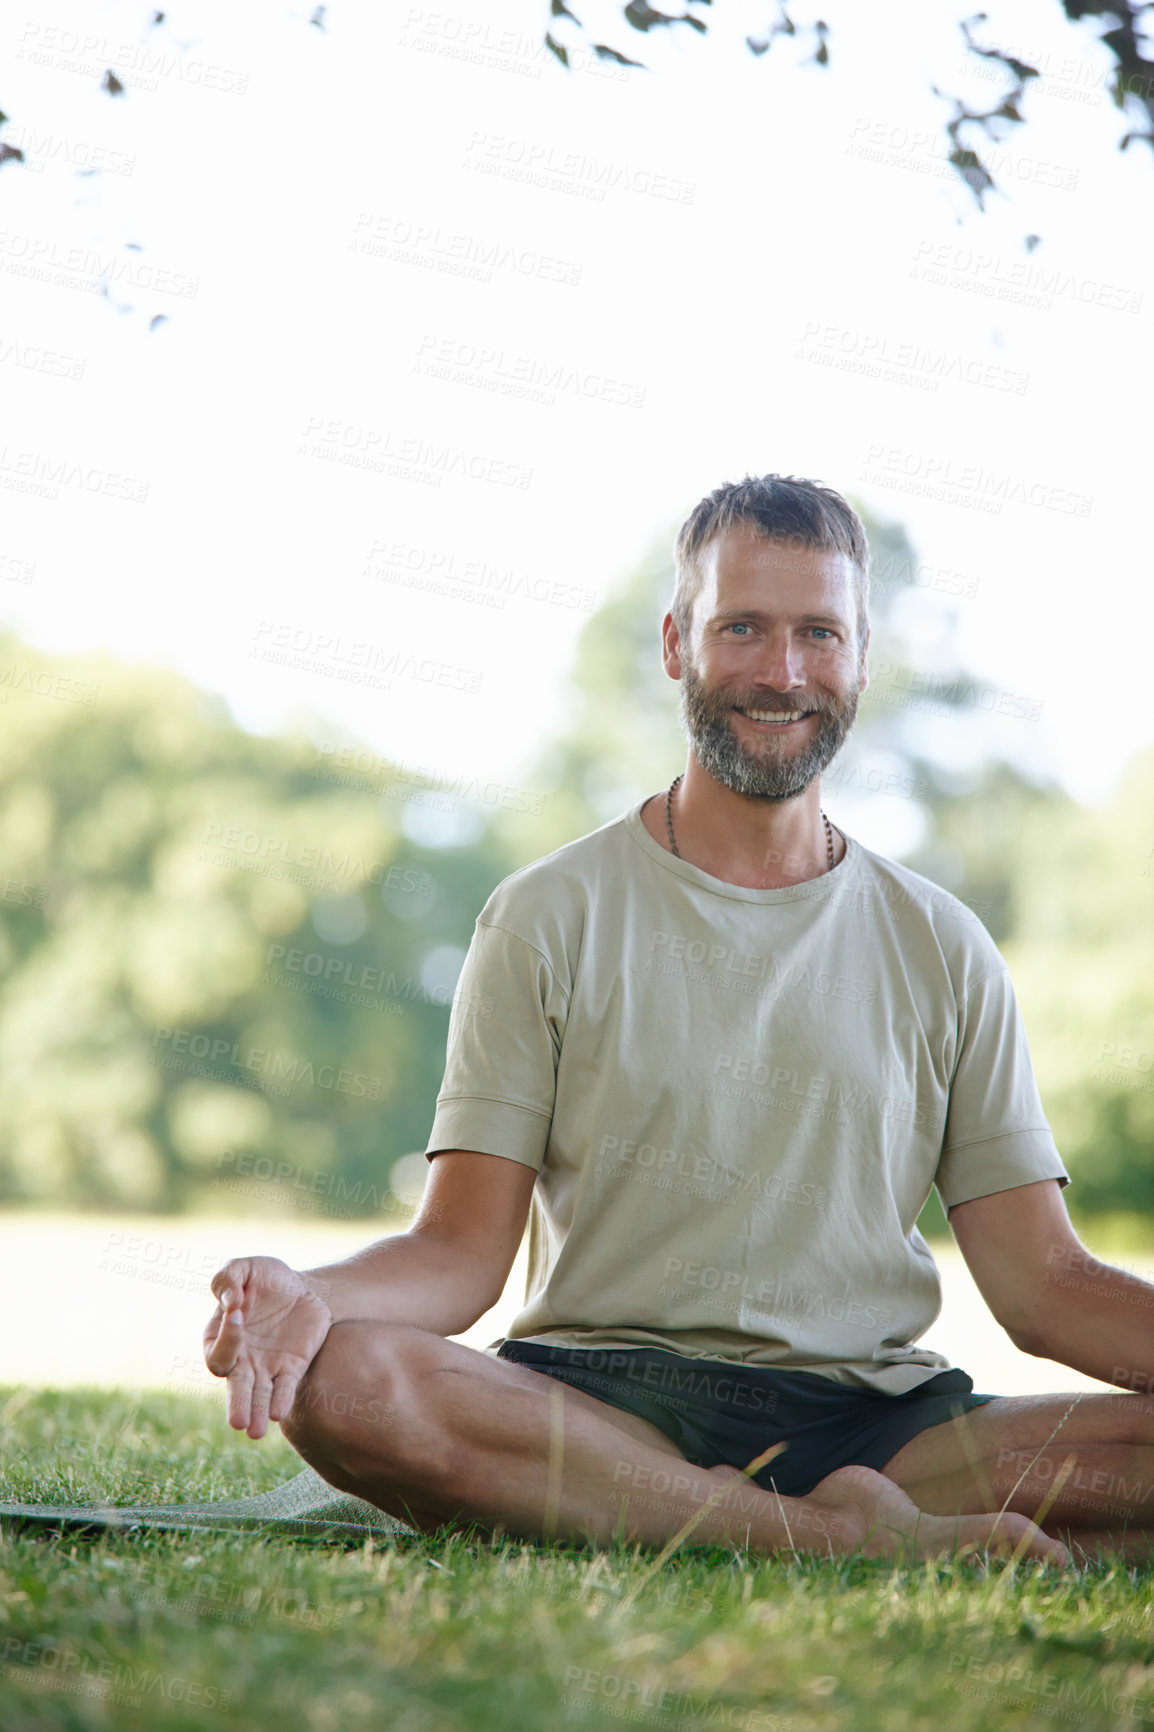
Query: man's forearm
{"x": 1098, "y": 1320}
{"x": 406, "y": 1278}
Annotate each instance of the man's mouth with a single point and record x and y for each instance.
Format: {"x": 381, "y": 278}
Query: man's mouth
{"x": 775, "y": 719}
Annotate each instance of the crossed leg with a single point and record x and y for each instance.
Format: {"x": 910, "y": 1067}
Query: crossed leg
{"x": 395, "y": 1415}
{"x": 1013, "y": 1451}
{"x": 441, "y": 1435}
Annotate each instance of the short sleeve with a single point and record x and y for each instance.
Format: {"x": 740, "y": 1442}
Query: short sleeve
{"x": 505, "y": 1030}
{"x": 996, "y": 1133}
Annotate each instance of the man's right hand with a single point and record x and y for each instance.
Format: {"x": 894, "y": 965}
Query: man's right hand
{"x": 876, "y": 1514}
{"x": 263, "y": 1337}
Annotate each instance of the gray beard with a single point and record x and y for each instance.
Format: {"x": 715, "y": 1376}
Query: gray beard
{"x": 769, "y": 773}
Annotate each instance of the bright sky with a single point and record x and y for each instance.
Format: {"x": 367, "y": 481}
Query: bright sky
{"x": 724, "y": 264}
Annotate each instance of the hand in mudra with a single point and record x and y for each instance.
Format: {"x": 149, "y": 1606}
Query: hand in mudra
{"x": 265, "y": 1333}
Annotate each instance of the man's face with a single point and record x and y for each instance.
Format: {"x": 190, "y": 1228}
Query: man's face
{"x": 774, "y": 632}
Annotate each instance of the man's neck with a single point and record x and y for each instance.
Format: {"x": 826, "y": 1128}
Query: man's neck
{"x": 758, "y": 844}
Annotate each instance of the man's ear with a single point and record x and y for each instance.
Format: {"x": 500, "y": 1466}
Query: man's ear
{"x": 671, "y": 647}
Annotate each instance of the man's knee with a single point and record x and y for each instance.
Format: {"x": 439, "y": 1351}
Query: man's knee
{"x": 349, "y": 1399}
{"x": 1136, "y": 1412}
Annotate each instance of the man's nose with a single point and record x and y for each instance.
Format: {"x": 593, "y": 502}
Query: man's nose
{"x": 780, "y": 663}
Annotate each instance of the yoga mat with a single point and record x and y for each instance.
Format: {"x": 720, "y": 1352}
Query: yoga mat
{"x": 303, "y": 1505}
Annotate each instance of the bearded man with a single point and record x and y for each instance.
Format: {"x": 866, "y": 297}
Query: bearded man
{"x": 717, "y": 1053}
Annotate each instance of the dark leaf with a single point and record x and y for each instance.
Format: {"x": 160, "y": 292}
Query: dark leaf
{"x": 157, "y": 320}
{"x": 1019, "y": 68}
{"x": 560, "y": 10}
{"x": 972, "y": 171}
{"x": 642, "y": 16}
{"x": 604, "y": 52}
{"x": 157, "y": 18}
{"x": 697, "y": 23}
{"x": 9, "y": 153}
{"x": 1117, "y": 41}
{"x": 112, "y": 84}
{"x": 561, "y": 53}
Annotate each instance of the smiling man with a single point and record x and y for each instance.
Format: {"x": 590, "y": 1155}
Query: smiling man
{"x": 718, "y": 1052}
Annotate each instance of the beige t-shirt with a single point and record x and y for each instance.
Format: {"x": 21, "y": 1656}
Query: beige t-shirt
{"x": 737, "y": 1100}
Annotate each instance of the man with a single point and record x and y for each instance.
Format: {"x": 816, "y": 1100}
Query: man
{"x": 721, "y": 1051}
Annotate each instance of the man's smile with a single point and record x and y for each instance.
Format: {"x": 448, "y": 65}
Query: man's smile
{"x": 775, "y": 721}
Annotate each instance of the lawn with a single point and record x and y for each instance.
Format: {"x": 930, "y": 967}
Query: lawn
{"x": 444, "y": 1635}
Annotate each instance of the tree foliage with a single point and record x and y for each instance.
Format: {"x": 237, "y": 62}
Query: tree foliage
{"x": 1081, "y": 952}
{"x": 215, "y": 958}
{"x": 1130, "y": 85}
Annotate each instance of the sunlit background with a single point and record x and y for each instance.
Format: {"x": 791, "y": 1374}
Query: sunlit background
{"x": 358, "y": 365}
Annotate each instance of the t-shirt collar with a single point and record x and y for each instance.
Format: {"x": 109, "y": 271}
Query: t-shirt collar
{"x": 827, "y": 884}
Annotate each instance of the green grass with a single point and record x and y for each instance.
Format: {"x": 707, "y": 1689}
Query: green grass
{"x": 448, "y": 1635}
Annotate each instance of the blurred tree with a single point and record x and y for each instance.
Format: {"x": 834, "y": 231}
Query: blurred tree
{"x": 1082, "y": 955}
{"x": 1071, "y": 890}
{"x": 216, "y": 960}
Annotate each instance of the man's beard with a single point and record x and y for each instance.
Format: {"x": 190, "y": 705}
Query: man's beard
{"x": 769, "y": 769}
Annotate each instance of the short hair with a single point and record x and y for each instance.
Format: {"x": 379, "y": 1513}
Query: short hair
{"x": 778, "y": 508}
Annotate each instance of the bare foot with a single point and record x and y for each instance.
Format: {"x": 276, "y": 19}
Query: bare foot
{"x": 878, "y": 1518}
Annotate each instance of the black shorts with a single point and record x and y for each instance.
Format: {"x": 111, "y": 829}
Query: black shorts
{"x": 714, "y": 1411}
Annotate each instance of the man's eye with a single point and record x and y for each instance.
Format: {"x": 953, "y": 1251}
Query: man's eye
{"x": 742, "y": 626}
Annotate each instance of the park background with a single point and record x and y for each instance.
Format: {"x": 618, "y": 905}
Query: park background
{"x": 358, "y": 369}
{"x": 357, "y": 365}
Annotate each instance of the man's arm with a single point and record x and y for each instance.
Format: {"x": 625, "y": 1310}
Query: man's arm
{"x": 441, "y": 1275}
{"x": 1053, "y": 1298}
{"x": 452, "y": 1264}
